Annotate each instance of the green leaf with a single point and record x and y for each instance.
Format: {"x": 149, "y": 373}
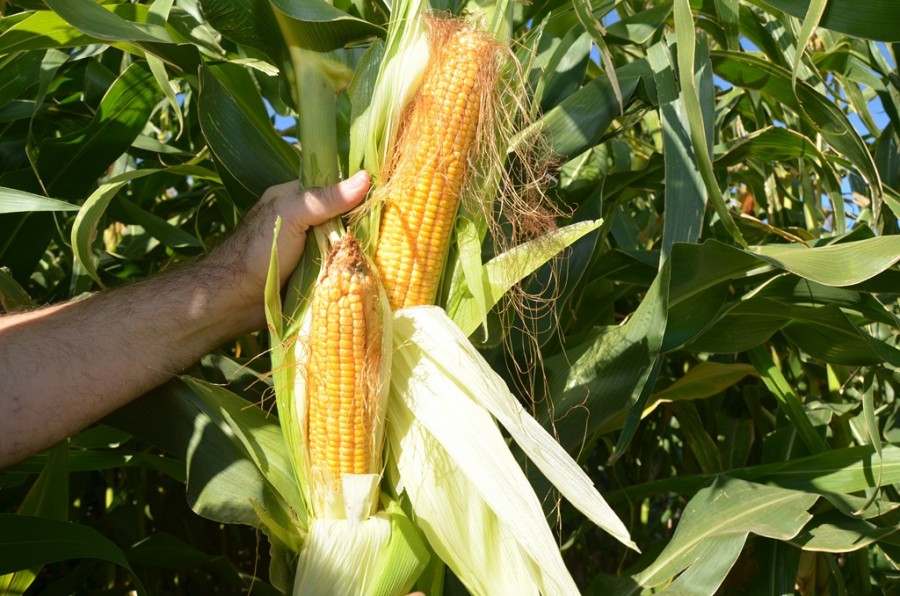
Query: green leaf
{"x": 696, "y": 438}
{"x": 505, "y": 270}
{"x": 752, "y": 72}
{"x": 45, "y": 29}
{"x": 222, "y": 482}
{"x": 580, "y": 120}
{"x": 697, "y": 117}
{"x": 835, "y": 532}
{"x": 19, "y": 201}
{"x": 790, "y": 403}
{"x": 822, "y": 331}
{"x": 610, "y": 372}
{"x": 27, "y": 541}
{"x": 876, "y": 19}
{"x": 321, "y": 26}
{"x": 841, "y": 471}
{"x": 717, "y": 517}
{"x": 70, "y": 165}
{"x": 238, "y": 130}
{"x": 639, "y": 27}
{"x": 164, "y": 550}
{"x": 259, "y": 434}
{"x": 704, "y": 380}
{"x": 48, "y": 497}
{"x": 685, "y": 193}
{"x": 21, "y": 72}
{"x": 591, "y": 24}
{"x": 84, "y": 230}
{"x": 159, "y": 228}
{"x": 247, "y": 22}
{"x": 559, "y": 67}
{"x": 12, "y": 296}
{"x": 841, "y": 264}
{"x": 98, "y": 21}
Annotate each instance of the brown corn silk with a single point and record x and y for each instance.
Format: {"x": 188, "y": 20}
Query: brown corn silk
{"x": 345, "y": 344}
{"x": 429, "y": 162}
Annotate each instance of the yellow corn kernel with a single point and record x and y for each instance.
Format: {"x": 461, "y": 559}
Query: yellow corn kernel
{"x": 344, "y": 362}
{"x": 428, "y": 169}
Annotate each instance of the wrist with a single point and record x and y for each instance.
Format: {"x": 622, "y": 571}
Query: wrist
{"x": 221, "y": 303}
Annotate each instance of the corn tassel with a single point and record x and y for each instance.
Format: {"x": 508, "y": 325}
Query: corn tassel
{"x": 428, "y": 167}
{"x": 343, "y": 385}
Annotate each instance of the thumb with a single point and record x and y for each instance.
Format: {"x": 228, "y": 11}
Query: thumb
{"x": 321, "y": 204}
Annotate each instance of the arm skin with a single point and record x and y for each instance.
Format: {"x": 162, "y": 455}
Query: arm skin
{"x": 66, "y": 366}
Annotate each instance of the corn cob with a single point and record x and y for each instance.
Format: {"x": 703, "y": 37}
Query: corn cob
{"x": 345, "y": 344}
{"x": 428, "y": 168}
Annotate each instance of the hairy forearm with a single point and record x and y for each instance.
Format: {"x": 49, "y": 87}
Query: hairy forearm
{"x": 66, "y": 366}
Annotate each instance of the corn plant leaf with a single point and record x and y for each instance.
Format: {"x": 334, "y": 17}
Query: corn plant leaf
{"x": 639, "y": 27}
{"x": 842, "y": 264}
{"x": 71, "y": 164}
{"x": 48, "y": 497}
{"x": 685, "y": 193}
{"x": 247, "y": 22}
{"x": 158, "y": 227}
{"x": 98, "y": 21}
{"x": 580, "y": 120}
{"x": 505, "y": 270}
{"x": 808, "y": 26}
{"x": 43, "y": 29}
{"x": 91, "y": 212}
{"x": 873, "y": 20}
{"x": 823, "y": 331}
{"x": 23, "y": 71}
{"x": 611, "y": 371}
{"x": 724, "y": 512}
{"x": 468, "y": 242}
{"x": 164, "y": 550}
{"x": 838, "y": 471}
{"x": 239, "y": 132}
{"x": 222, "y": 482}
{"x": 361, "y": 91}
{"x": 259, "y": 434}
{"x": 772, "y": 144}
{"x": 559, "y": 66}
{"x": 12, "y": 295}
{"x": 321, "y": 26}
{"x": 752, "y": 72}
{"x": 19, "y": 201}
{"x": 690, "y": 48}
{"x": 700, "y": 382}
{"x": 835, "y": 532}
{"x": 84, "y": 230}
{"x": 790, "y": 403}
{"x": 29, "y": 541}
{"x": 590, "y": 23}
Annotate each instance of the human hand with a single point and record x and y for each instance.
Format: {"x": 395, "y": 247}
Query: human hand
{"x": 244, "y": 257}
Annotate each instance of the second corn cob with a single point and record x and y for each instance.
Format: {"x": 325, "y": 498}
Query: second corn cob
{"x": 345, "y": 357}
{"x": 428, "y": 167}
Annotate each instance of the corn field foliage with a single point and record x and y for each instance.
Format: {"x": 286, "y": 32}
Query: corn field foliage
{"x": 721, "y": 355}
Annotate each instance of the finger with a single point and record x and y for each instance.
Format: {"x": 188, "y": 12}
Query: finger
{"x": 318, "y": 205}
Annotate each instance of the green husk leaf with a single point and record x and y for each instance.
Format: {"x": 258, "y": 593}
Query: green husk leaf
{"x": 505, "y": 270}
